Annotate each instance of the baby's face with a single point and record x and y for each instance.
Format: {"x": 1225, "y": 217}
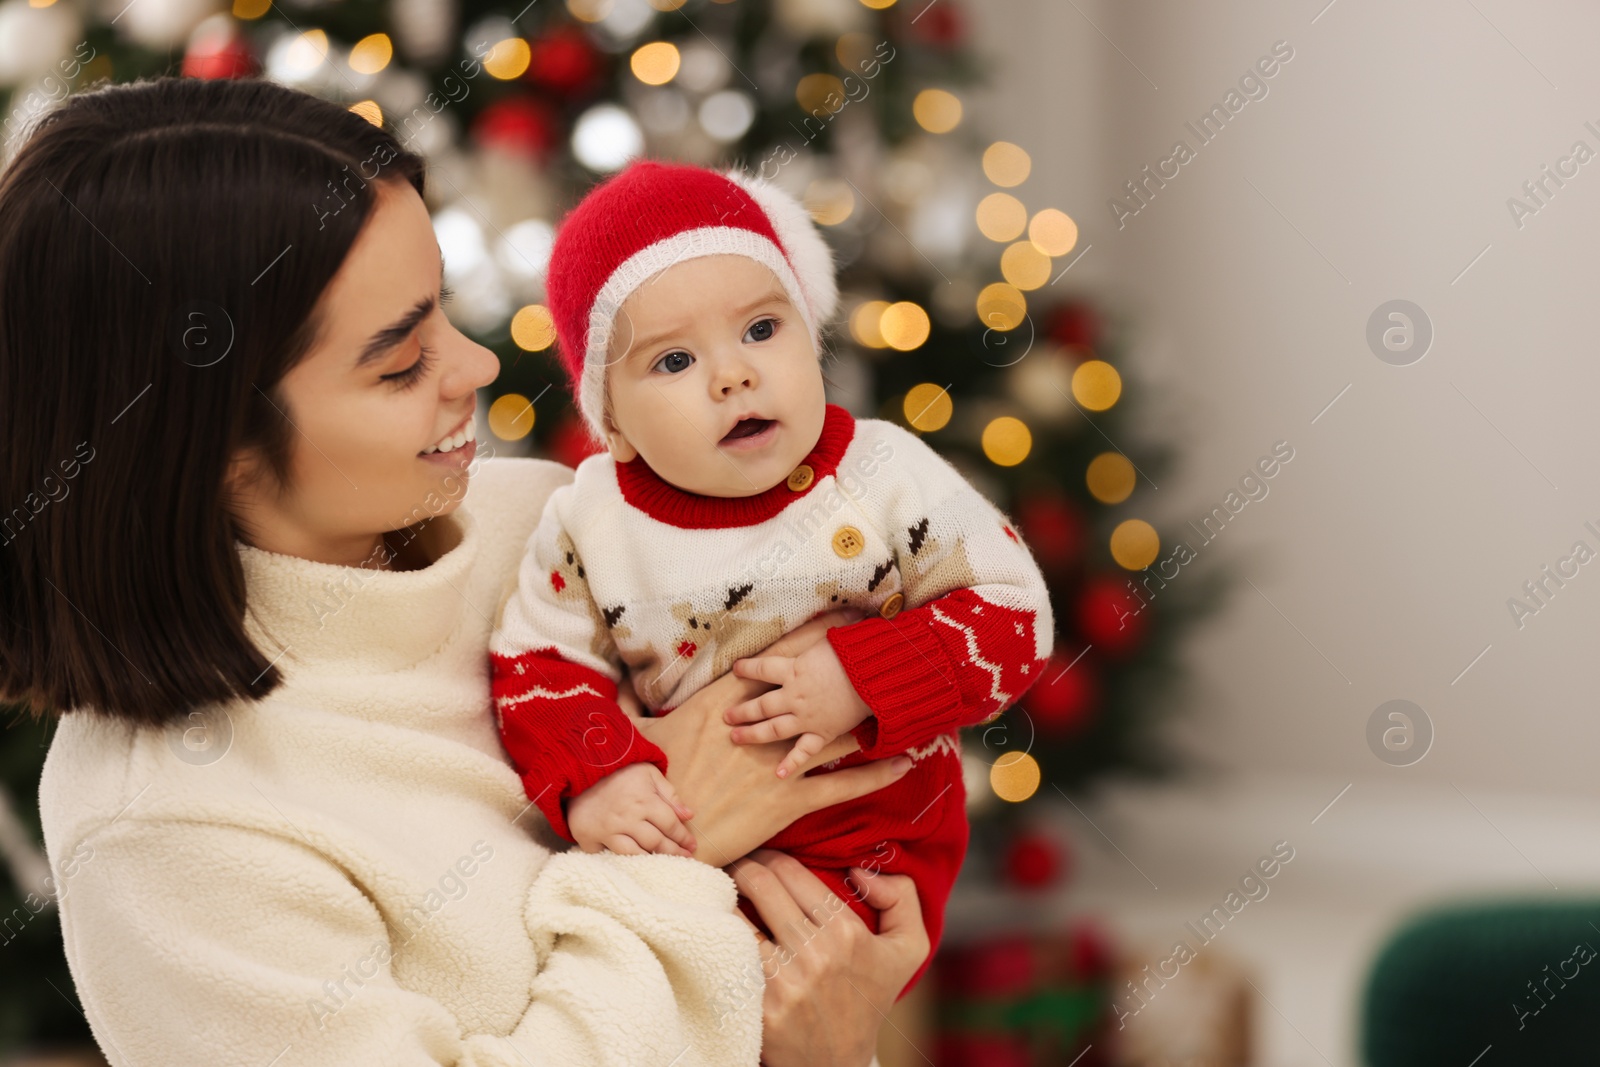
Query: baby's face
{"x": 713, "y": 378}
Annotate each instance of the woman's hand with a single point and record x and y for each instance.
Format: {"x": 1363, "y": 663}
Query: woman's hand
{"x": 829, "y": 981}
{"x": 738, "y": 799}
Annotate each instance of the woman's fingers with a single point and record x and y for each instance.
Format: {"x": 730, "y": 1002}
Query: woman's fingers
{"x": 773, "y": 901}
{"x": 803, "y": 637}
{"x": 824, "y": 790}
{"x": 775, "y": 729}
{"x": 899, "y": 911}
{"x": 810, "y": 893}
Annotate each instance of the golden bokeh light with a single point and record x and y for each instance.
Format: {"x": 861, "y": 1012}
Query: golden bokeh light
{"x": 936, "y": 110}
{"x": 1007, "y": 441}
{"x": 1001, "y": 217}
{"x": 820, "y": 94}
{"x": 371, "y": 54}
{"x": 1053, "y": 232}
{"x": 1001, "y": 306}
{"x": 904, "y": 325}
{"x": 1110, "y": 477}
{"x": 1024, "y": 266}
{"x": 1015, "y": 777}
{"x": 830, "y": 201}
{"x": 866, "y": 323}
{"x": 508, "y": 59}
{"x": 590, "y": 10}
{"x": 533, "y": 328}
{"x": 1006, "y": 164}
{"x": 854, "y": 50}
{"x": 1135, "y": 544}
{"x": 667, "y": 5}
{"x": 369, "y": 110}
{"x": 1096, "y": 384}
{"x": 878, "y": 5}
{"x": 655, "y": 63}
{"x": 511, "y": 417}
{"x": 928, "y": 407}
{"x": 251, "y": 9}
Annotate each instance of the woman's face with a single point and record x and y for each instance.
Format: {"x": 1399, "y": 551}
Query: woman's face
{"x": 387, "y": 378}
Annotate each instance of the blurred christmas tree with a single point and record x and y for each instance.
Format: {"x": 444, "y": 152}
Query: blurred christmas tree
{"x": 960, "y": 323}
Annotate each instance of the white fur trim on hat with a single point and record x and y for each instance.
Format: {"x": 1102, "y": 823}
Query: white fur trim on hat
{"x": 652, "y": 260}
{"x": 813, "y": 259}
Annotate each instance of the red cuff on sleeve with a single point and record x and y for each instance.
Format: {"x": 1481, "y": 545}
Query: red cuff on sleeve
{"x": 562, "y": 726}
{"x": 930, "y": 670}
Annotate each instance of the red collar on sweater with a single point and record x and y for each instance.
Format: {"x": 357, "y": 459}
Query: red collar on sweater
{"x": 665, "y": 502}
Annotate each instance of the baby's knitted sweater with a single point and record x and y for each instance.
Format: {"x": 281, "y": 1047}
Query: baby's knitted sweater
{"x": 625, "y": 568}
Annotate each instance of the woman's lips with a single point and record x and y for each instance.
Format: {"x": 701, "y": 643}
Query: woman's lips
{"x": 458, "y": 457}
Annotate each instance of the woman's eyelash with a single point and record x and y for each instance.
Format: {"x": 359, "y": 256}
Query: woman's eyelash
{"x": 405, "y": 379}
{"x": 414, "y": 373}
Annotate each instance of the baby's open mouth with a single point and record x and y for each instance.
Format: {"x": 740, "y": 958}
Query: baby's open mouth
{"x": 747, "y": 428}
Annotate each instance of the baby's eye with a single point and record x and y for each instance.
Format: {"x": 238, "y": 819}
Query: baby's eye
{"x": 674, "y": 362}
{"x": 761, "y": 330}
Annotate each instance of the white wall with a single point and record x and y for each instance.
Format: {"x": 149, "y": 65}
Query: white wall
{"x": 1427, "y": 495}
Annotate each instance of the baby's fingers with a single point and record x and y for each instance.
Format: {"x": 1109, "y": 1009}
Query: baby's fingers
{"x": 624, "y": 845}
{"x": 777, "y": 729}
{"x": 777, "y": 670}
{"x": 754, "y": 710}
{"x": 670, "y": 795}
{"x": 663, "y": 819}
{"x": 806, "y": 746}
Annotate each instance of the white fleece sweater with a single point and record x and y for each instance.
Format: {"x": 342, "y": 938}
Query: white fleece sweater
{"x": 345, "y": 873}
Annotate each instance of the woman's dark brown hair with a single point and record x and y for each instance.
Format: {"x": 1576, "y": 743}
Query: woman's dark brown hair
{"x": 163, "y": 245}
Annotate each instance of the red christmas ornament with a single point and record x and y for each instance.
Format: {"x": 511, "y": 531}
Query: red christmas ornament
{"x": 1002, "y": 967}
{"x": 1033, "y": 861}
{"x": 518, "y": 124}
{"x": 218, "y": 50}
{"x": 939, "y": 25}
{"x": 1062, "y": 702}
{"x": 1053, "y": 529}
{"x": 1076, "y": 325}
{"x": 982, "y": 1050}
{"x": 563, "y": 61}
{"x": 570, "y": 443}
{"x": 1089, "y": 950}
{"x": 1110, "y": 617}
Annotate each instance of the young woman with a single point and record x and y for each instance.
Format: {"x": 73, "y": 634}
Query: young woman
{"x": 240, "y": 553}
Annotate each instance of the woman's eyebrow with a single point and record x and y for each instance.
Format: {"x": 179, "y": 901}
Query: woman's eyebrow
{"x": 397, "y": 331}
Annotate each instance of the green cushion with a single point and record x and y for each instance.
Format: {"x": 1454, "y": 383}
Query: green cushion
{"x": 1455, "y": 981}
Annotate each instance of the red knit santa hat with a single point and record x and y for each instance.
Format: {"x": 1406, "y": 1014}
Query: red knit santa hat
{"x": 654, "y": 215}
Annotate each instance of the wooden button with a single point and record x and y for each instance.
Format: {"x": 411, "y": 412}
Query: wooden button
{"x": 800, "y": 478}
{"x": 891, "y": 607}
{"x": 848, "y": 542}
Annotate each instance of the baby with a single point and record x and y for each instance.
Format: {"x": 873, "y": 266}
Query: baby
{"x": 732, "y": 505}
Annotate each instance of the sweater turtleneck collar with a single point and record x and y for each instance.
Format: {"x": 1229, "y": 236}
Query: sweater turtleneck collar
{"x": 302, "y": 613}
{"x": 665, "y": 502}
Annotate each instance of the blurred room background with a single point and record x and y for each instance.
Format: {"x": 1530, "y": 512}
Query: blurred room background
{"x": 1269, "y": 323}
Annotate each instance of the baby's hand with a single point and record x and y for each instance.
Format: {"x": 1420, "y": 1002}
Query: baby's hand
{"x": 815, "y": 703}
{"x": 631, "y": 811}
